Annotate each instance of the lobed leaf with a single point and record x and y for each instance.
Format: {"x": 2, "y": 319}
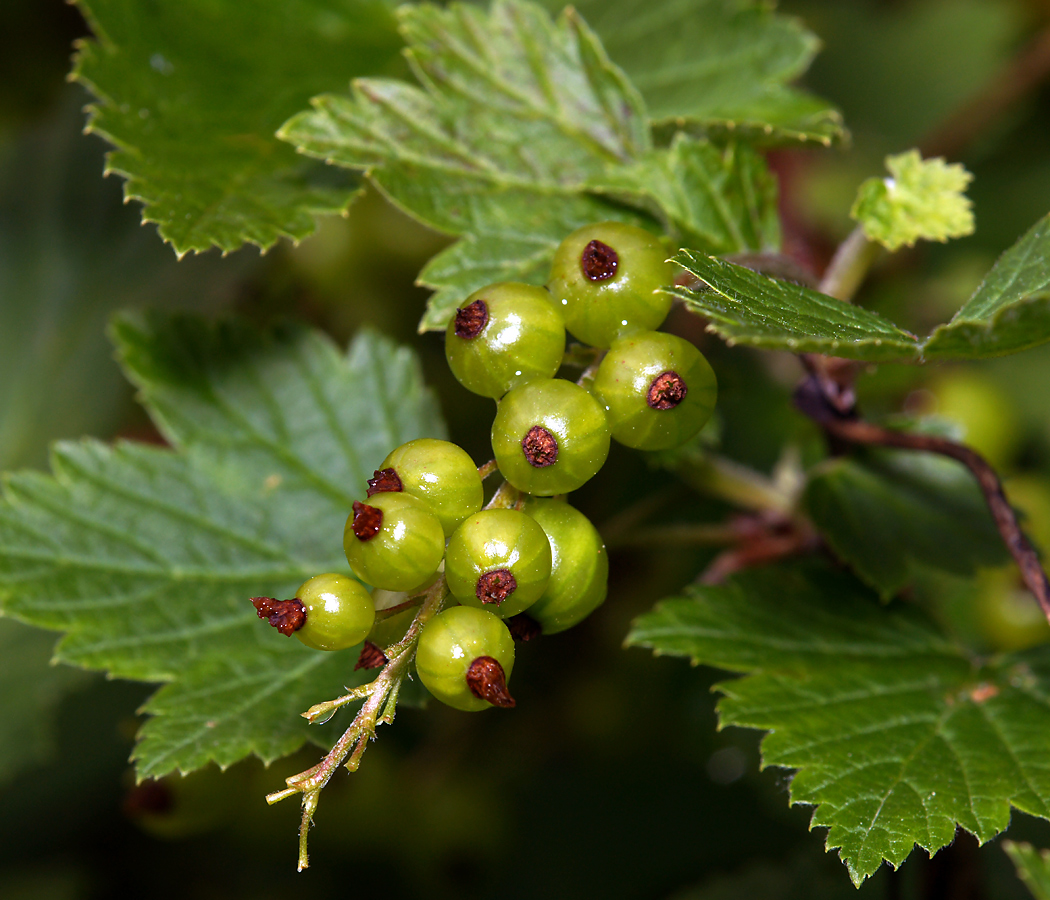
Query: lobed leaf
{"x": 896, "y": 735}
{"x": 889, "y": 512}
{"x": 521, "y": 131}
{"x": 146, "y": 556}
{"x": 743, "y": 306}
{"x": 1010, "y": 310}
{"x": 720, "y": 199}
{"x": 191, "y": 93}
{"x": 720, "y": 66}
{"x": 922, "y": 200}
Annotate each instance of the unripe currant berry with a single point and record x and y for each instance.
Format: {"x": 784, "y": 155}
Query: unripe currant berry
{"x": 549, "y": 437}
{"x": 464, "y": 658}
{"x": 329, "y": 612}
{"x": 658, "y": 390}
{"x": 579, "y": 566}
{"x": 502, "y": 336}
{"x": 439, "y": 473}
{"x": 500, "y": 560}
{"x": 606, "y": 280}
{"x": 339, "y": 612}
{"x": 393, "y": 542}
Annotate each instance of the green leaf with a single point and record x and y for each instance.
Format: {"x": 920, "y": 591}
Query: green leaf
{"x": 1033, "y": 867}
{"x": 719, "y": 199}
{"x": 70, "y": 255}
{"x": 1009, "y": 312}
{"x": 896, "y": 735}
{"x": 30, "y": 690}
{"x": 722, "y": 66}
{"x": 517, "y": 114}
{"x": 521, "y": 132}
{"x": 146, "y": 556}
{"x": 922, "y": 200}
{"x": 743, "y": 306}
{"x": 888, "y": 512}
{"x": 191, "y": 93}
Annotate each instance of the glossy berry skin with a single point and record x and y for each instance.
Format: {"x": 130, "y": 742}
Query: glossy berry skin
{"x": 406, "y": 549}
{"x": 339, "y": 612}
{"x": 605, "y": 279}
{"x": 580, "y": 566}
{"x": 502, "y": 336}
{"x": 549, "y": 437}
{"x": 497, "y": 552}
{"x": 439, "y": 473}
{"x": 450, "y": 642}
{"x": 658, "y": 390}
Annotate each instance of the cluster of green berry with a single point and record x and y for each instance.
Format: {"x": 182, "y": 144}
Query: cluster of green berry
{"x": 527, "y": 557}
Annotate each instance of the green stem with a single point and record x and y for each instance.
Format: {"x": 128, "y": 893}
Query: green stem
{"x": 690, "y": 535}
{"x": 376, "y": 709}
{"x": 737, "y": 484}
{"x": 849, "y": 265}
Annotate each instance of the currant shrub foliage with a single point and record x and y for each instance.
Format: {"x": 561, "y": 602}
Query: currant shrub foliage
{"x": 507, "y": 127}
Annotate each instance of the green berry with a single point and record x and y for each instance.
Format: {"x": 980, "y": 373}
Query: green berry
{"x": 606, "y": 279}
{"x": 502, "y": 336}
{"x": 658, "y": 390}
{"x": 498, "y": 559}
{"x": 339, "y": 612}
{"x": 464, "y": 656}
{"x": 579, "y": 570}
{"x": 393, "y": 542}
{"x": 439, "y": 473}
{"x": 549, "y": 437}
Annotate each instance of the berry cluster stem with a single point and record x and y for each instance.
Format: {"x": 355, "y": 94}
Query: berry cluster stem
{"x": 380, "y": 704}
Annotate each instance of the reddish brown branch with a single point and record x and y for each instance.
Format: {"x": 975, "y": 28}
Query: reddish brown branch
{"x": 810, "y": 399}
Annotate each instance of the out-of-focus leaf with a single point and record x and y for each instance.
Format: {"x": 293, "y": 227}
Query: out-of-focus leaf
{"x": 922, "y": 199}
{"x": 1009, "y": 312}
{"x": 888, "y": 512}
{"x": 30, "y": 689}
{"x": 191, "y": 93}
{"x": 1033, "y": 867}
{"x": 897, "y": 735}
{"x": 70, "y": 254}
{"x": 722, "y": 66}
{"x": 146, "y": 557}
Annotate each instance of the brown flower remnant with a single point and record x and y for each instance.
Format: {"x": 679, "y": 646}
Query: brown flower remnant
{"x": 371, "y": 657}
{"x": 367, "y": 521}
{"x": 287, "y": 616}
{"x": 495, "y": 586}
{"x": 471, "y": 319}
{"x": 487, "y": 681}
{"x": 667, "y": 391}
{"x": 599, "y": 261}
{"x": 383, "y": 480}
{"x": 540, "y": 447}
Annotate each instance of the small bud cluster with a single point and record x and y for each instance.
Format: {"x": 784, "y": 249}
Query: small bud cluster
{"x": 541, "y": 564}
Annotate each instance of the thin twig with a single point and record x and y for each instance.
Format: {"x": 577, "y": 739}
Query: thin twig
{"x": 810, "y": 399}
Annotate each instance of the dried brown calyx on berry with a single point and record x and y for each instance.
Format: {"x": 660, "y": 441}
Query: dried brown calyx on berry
{"x": 287, "y": 616}
{"x": 667, "y": 391}
{"x": 471, "y": 319}
{"x": 540, "y": 447}
{"x": 599, "y": 261}
{"x": 367, "y": 521}
{"x": 487, "y": 681}
{"x": 384, "y": 480}
{"x": 372, "y": 657}
{"x": 495, "y": 586}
